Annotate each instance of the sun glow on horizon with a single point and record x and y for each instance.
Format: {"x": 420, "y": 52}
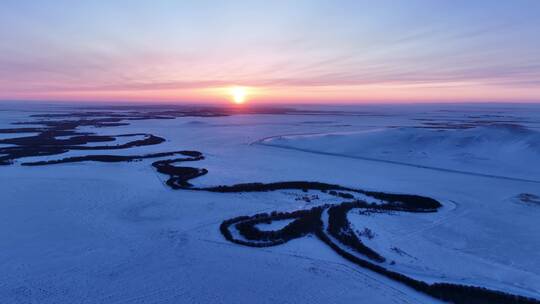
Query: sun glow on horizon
{"x": 239, "y": 95}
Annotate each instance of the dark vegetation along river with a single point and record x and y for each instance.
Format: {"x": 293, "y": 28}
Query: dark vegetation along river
{"x": 55, "y": 134}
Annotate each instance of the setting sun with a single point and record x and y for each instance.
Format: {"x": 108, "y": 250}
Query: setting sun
{"x": 238, "y": 95}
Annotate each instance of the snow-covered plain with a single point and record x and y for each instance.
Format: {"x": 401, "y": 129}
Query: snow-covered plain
{"x": 484, "y": 149}
{"x": 115, "y": 233}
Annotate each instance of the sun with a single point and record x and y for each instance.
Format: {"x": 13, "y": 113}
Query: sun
{"x": 238, "y": 94}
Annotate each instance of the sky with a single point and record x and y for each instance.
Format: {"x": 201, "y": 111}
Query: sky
{"x": 277, "y": 51}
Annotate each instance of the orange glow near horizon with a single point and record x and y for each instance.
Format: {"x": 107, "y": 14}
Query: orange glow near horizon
{"x": 285, "y": 94}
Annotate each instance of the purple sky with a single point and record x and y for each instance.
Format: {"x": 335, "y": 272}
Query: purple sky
{"x": 279, "y": 51}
